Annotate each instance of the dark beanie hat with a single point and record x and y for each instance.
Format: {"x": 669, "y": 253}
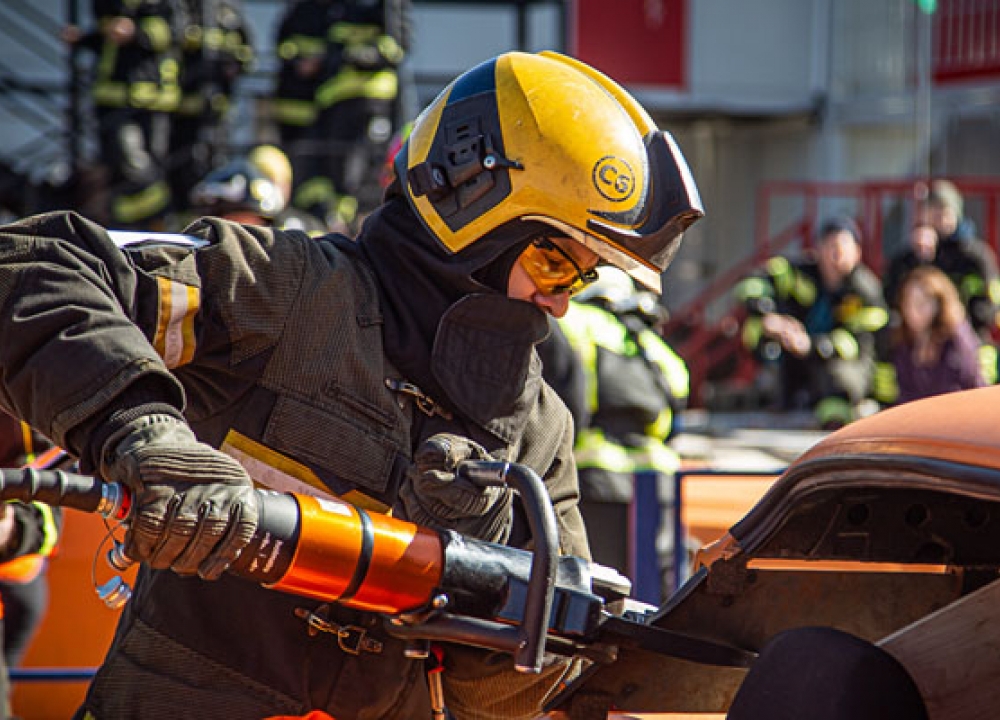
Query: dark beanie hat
{"x": 840, "y": 223}
{"x": 944, "y": 193}
{"x": 819, "y": 673}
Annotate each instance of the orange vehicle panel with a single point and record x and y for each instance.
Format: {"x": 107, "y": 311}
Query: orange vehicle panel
{"x": 957, "y": 427}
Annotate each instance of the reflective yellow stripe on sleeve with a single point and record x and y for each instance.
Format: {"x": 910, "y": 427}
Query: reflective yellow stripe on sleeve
{"x": 158, "y": 31}
{"x": 593, "y": 450}
{"x": 753, "y": 331}
{"x": 301, "y": 46}
{"x": 845, "y": 344}
{"x": 988, "y": 363}
{"x": 381, "y": 85}
{"x": 174, "y": 340}
{"x": 50, "y": 532}
{"x": 885, "y": 386}
{"x": 869, "y": 318}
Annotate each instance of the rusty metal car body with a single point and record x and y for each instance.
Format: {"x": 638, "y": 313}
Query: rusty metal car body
{"x": 876, "y": 527}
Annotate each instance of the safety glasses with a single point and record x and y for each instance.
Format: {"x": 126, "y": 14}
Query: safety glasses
{"x": 553, "y": 270}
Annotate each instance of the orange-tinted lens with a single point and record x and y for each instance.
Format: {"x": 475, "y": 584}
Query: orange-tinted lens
{"x": 553, "y": 270}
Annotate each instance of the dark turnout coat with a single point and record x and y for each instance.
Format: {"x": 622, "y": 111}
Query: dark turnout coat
{"x": 274, "y": 344}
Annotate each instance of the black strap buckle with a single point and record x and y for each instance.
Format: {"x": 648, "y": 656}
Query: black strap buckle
{"x": 354, "y": 640}
{"x": 350, "y": 638}
{"x": 425, "y": 403}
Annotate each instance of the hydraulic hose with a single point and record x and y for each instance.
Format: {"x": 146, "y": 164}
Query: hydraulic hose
{"x": 333, "y": 551}
{"x": 325, "y": 549}
{"x": 433, "y": 585}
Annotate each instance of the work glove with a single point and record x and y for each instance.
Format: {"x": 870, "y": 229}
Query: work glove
{"x": 433, "y": 496}
{"x": 194, "y": 508}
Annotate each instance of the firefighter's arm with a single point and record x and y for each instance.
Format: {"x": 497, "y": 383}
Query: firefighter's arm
{"x": 759, "y": 294}
{"x": 88, "y": 335}
{"x": 83, "y": 320}
{"x": 28, "y": 529}
{"x": 861, "y": 317}
{"x": 156, "y": 31}
{"x": 71, "y": 339}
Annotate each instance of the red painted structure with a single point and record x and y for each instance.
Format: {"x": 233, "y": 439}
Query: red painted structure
{"x": 966, "y": 39}
{"x": 637, "y": 42}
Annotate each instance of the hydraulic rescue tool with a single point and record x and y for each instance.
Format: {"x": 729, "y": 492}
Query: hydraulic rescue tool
{"x": 430, "y": 585}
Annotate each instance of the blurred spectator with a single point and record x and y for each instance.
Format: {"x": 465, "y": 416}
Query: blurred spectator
{"x": 28, "y": 535}
{"x": 135, "y": 90}
{"x": 933, "y": 347}
{"x": 216, "y": 49}
{"x": 817, "y": 318}
{"x": 357, "y": 105}
{"x": 965, "y": 259}
{"x": 624, "y": 385}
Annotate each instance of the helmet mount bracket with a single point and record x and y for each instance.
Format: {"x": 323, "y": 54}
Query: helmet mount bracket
{"x": 465, "y": 169}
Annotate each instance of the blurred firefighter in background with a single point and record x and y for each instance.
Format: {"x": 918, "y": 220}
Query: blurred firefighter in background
{"x": 253, "y": 190}
{"x": 356, "y": 101}
{"x": 216, "y": 49}
{"x": 817, "y": 318}
{"x": 28, "y": 536}
{"x": 633, "y": 386}
{"x": 301, "y": 46}
{"x": 135, "y": 90}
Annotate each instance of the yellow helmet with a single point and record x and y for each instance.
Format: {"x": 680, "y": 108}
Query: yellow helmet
{"x": 543, "y": 137}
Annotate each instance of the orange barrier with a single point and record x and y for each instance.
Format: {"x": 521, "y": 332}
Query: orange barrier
{"x": 708, "y": 502}
{"x": 77, "y": 628}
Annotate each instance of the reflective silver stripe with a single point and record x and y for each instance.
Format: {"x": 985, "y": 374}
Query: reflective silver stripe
{"x": 128, "y": 238}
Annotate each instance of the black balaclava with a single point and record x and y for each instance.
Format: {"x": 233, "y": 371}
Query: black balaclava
{"x": 420, "y": 281}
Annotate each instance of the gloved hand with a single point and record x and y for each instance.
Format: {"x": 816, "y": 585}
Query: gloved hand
{"x": 194, "y": 508}
{"x": 433, "y": 496}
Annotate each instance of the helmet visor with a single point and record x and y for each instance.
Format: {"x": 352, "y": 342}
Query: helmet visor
{"x": 672, "y": 204}
{"x": 644, "y": 241}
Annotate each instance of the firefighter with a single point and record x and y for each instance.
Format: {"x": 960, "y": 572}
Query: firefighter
{"x": 253, "y": 190}
{"x": 362, "y": 368}
{"x": 634, "y": 385}
{"x": 356, "y": 102}
{"x": 301, "y": 47}
{"x": 216, "y": 50}
{"x": 135, "y": 89}
{"x": 818, "y": 318}
{"x": 29, "y": 533}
